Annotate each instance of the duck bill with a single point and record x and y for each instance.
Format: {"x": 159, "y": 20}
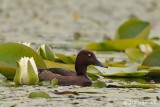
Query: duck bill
{"x": 97, "y": 63}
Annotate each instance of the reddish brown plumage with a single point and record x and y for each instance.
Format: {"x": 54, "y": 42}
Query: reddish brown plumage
{"x": 67, "y": 77}
{"x": 65, "y": 80}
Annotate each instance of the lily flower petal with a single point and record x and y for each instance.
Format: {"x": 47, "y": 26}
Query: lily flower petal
{"x": 46, "y": 52}
{"x": 27, "y": 72}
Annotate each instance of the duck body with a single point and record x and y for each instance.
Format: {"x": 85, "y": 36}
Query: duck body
{"x": 68, "y": 77}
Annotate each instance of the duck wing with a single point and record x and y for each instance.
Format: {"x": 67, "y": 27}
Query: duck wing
{"x": 65, "y": 80}
{"x": 60, "y": 71}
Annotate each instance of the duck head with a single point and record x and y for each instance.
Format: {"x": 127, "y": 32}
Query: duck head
{"x": 85, "y": 58}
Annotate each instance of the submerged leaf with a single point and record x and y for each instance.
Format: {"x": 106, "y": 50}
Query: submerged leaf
{"x": 120, "y": 45}
{"x": 133, "y": 28}
{"x": 39, "y": 94}
{"x": 153, "y": 59}
{"x": 99, "y": 84}
{"x": 134, "y": 54}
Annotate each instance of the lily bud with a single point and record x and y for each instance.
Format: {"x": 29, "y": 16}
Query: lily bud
{"x": 46, "y": 52}
{"x": 27, "y": 72}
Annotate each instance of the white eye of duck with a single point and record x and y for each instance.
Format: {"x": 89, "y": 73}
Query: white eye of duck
{"x": 89, "y": 55}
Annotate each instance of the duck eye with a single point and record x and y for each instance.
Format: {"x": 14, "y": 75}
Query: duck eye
{"x": 89, "y": 55}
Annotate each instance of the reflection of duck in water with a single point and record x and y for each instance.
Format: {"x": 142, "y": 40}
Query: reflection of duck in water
{"x": 67, "y": 77}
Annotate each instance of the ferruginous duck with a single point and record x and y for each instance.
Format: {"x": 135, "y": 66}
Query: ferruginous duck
{"x": 67, "y": 77}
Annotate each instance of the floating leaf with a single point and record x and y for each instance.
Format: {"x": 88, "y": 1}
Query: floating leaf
{"x": 54, "y": 82}
{"x": 45, "y": 83}
{"x": 6, "y": 83}
{"x": 12, "y": 52}
{"x": 99, "y": 84}
{"x": 154, "y": 72}
{"x": 153, "y": 59}
{"x": 66, "y": 59}
{"x": 130, "y": 71}
{"x": 46, "y": 52}
{"x": 114, "y": 65}
{"x": 120, "y": 45}
{"x": 134, "y": 54}
{"x": 38, "y": 94}
{"x": 7, "y": 70}
{"x": 133, "y": 28}
{"x": 146, "y": 86}
{"x": 51, "y": 64}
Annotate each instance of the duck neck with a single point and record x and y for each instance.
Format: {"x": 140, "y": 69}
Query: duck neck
{"x": 81, "y": 70}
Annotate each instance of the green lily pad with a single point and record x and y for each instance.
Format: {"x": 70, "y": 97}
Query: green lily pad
{"x": 99, "y": 84}
{"x": 7, "y": 70}
{"x": 134, "y": 54}
{"x": 45, "y": 83}
{"x": 130, "y": 71}
{"x": 145, "y": 86}
{"x": 120, "y": 45}
{"x": 154, "y": 73}
{"x": 12, "y": 52}
{"x": 54, "y": 82}
{"x": 153, "y": 59}
{"x": 133, "y": 28}
{"x": 66, "y": 59}
{"x": 51, "y": 64}
{"x": 38, "y": 95}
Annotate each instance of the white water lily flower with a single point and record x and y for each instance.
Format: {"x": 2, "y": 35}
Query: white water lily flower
{"x": 27, "y": 72}
{"x": 145, "y": 48}
{"x": 46, "y": 52}
{"x": 26, "y": 43}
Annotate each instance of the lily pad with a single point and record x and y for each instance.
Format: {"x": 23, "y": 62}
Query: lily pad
{"x": 45, "y": 83}
{"x": 154, "y": 73}
{"x": 145, "y": 86}
{"x": 99, "y": 84}
{"x": 134, "y": 54}
{"x": 7, "y": 70}
{"x": 54, "y": 82}
{"x": 133, "y": 28}
{"x": 66, "y": 59}
{"x": 12, "y": 52}
{"x": 120, "y": 45}
{"x": 153, "y": 59}
{"x": 130, "y": 71}
{"x": 51, "y": 64}
{"x": 39, "y": 94}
